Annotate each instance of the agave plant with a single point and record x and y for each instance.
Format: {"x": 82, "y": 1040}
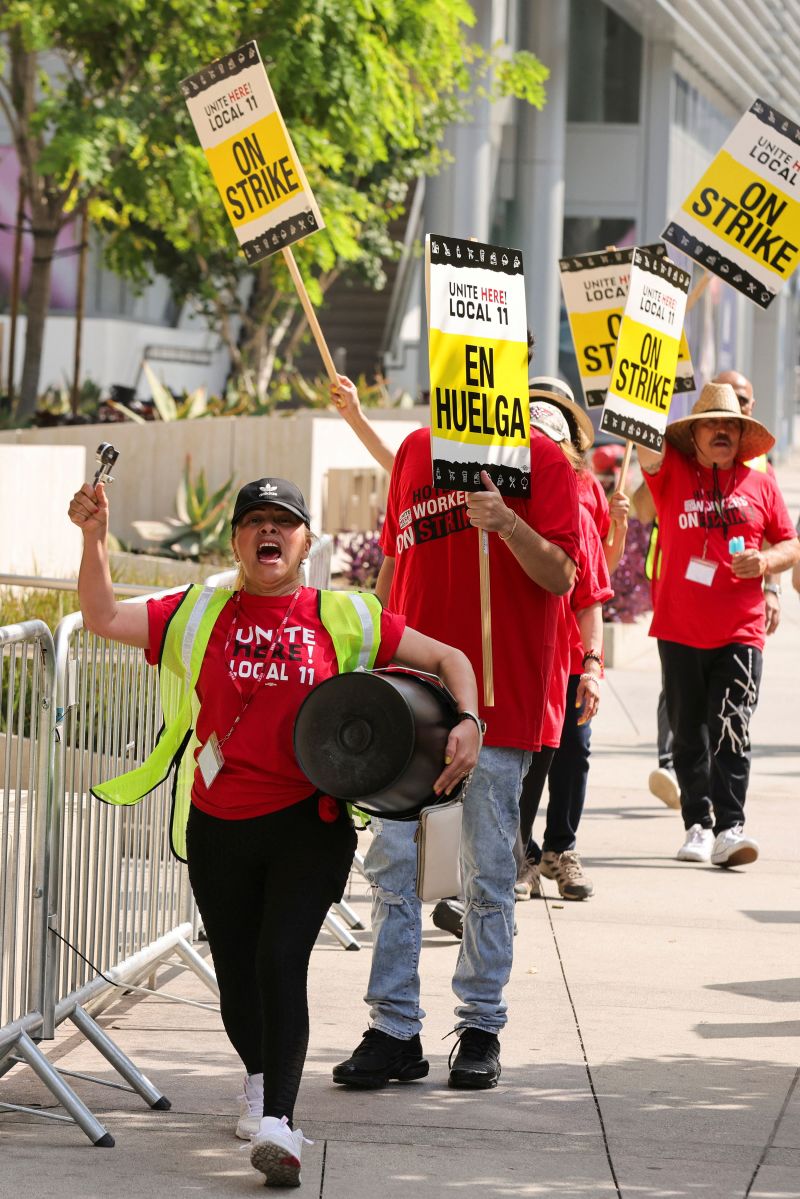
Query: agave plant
{"x": 192, "y": 404}
{"x": 201, "y": 528}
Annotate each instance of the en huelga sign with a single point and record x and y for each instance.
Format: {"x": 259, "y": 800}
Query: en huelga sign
{"x": 643, "y": 375}
{"x": 595, "y": 288}
{"x": 742, "y": 219}
{"x": 255, "y": 166}
{"x": 478, "y": 348}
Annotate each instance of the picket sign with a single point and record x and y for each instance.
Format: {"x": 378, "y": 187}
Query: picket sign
{"x": 260, "y": 179}
{"x": 478, "y": 353}
{"x": 694, "y": 295}
{"x": 637, "y": 401}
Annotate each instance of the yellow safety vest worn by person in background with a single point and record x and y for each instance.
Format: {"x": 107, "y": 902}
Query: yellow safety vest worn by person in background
{"x": 352, "y": 621}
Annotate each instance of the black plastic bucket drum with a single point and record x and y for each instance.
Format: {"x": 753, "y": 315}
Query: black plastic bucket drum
{"x": 376, "y": 739}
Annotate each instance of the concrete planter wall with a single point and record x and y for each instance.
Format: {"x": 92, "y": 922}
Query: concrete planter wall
{"x": 624, "y": 643}
{"x": 303, "y": 447}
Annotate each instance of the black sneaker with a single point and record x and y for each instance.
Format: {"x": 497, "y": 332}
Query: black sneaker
{"x": 477, "y": 1063}
{"x": 380, "y": 1058}
{"x": 448, "y": 915}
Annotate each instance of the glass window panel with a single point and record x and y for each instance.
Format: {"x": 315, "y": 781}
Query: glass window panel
{"x": 605, "y": 66}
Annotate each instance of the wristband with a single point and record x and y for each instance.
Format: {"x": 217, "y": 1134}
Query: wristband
{"x": 594, "y": 677}
{"x": 775, "y": 588}
{"x": 480, "y": 723}
{"x": 592, "y": 655}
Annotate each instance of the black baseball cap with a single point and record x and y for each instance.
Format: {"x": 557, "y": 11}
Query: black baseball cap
{"x": 271, "y": 491}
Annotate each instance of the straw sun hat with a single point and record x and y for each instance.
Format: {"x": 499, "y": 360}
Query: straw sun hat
{"x": 556, "y": 391}
{"x": 718, "y": 400}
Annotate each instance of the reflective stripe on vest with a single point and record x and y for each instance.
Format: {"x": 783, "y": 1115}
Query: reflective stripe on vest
{"x": 352, "y": 621}
{"x": 652, "y": 559}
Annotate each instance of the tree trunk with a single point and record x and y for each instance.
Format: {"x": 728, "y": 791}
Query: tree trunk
{"x": 38, "y": 303}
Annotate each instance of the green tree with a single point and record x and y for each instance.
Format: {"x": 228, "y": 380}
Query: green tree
{"x": 84, "y": 86}
{"x": 367, "y": 88}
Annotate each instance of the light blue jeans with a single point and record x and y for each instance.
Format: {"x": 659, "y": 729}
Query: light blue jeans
{"x": 488, "y": 872}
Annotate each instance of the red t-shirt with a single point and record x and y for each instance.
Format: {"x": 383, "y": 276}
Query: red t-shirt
{"x": 436, "y": 583}
{"x": 592, "y": 497}
{"x": 731, "y": 610}
{"x": 261, "y": 773}
{"x": 592, "y": 586}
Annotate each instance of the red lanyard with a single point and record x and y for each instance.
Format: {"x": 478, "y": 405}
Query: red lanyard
{"x": 273, "y": 645}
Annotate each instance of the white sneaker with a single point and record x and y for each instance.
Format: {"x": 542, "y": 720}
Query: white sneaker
{"x": 276, "y": 1150}
{"x": 251, "y": 1106}
{"x": 732, "y": 848}
{"x": 664, "y": 786}
{"x": 697, "y": 846}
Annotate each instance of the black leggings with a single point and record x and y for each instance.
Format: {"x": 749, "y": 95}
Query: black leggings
{"x": 263, "y": 888}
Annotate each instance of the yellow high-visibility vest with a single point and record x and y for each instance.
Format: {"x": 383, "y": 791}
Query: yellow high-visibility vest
{"x": 351, "y": 619}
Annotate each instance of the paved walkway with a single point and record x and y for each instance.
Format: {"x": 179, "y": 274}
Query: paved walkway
{"x": 653, "y": 1044}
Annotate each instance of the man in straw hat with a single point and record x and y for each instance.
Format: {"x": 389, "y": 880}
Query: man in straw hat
{"x": 662, "y": 781}
{"x": 714, "y": 514}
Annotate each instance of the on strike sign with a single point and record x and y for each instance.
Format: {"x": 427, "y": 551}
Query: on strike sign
{"x": 742, "y": 219}
{"x": 643, "y": 375}
{"x": 478, "y": 346}
{"x": 595, "y": 288}
{"x": 254, "y": 164}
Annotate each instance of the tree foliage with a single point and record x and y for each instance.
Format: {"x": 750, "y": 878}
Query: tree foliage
{"x": 366, "y": 87}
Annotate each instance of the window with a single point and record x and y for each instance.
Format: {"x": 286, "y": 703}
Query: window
{"x": 605, "y": 66}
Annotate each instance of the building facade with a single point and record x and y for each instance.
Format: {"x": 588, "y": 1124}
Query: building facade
{"x": 641, "y": 95}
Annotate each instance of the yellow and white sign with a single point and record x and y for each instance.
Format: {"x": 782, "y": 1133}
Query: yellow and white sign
{"x": 742, "y": 219}
{"x": 478, "y": 348}
{"x": 595, "y": 288}
{"x": 254, "y": 164}
{"x": 643, "y": 374}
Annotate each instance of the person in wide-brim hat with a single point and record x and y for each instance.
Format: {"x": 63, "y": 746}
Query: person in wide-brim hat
{"x": 556, "y": 391}
{"x": 718, "y": 401}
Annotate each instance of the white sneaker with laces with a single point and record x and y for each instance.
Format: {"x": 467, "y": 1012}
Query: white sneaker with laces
{"x": 732, "y": 848}
{"x": 275, "y": 1151}
{"x": 697, "y": 846}
{"x": 664, "y": 785}
{"x": 251, "y": 1106}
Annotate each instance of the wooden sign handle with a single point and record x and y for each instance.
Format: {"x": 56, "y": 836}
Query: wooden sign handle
{"x": 623, "y": 475}
{"x": 311, "y": 316}
{"x": 486, "y": 619}
{"x": 698, "y": 289}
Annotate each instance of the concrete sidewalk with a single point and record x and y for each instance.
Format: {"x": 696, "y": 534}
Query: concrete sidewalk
{"x": 652, "y": 1050}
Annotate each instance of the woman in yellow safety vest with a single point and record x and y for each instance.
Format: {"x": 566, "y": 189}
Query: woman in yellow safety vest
{"x": 267, "y": 855}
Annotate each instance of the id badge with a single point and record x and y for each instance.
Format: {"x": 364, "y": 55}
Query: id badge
{"x": 210, "y": 760}
{"x": 700, "y": 570}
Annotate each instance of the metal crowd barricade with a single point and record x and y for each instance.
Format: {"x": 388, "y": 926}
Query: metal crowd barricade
{"x": 120, "y": 902}
{"x": 27, "y": 671}
{"x": 91, "y": 897}
{"x": 116, "y": 904}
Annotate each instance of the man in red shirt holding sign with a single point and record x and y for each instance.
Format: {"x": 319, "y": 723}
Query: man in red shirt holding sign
{"x": 714, "y": 514}
{"x": 430, "y": 575}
